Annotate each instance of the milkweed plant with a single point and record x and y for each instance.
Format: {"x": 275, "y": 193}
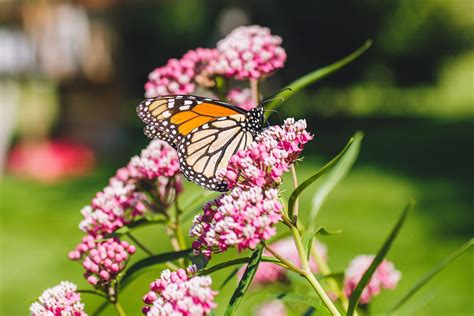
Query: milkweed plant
{"x": 149, "y": 191}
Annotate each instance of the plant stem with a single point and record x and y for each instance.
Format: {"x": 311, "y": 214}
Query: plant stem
{"x": 119, "y": 309}
{"x": 283, "y": 260}
{"x": 322, "y": 294}
{"x": 296, "y": 205}
{"x": 325, "y": 270}
{"x": 308, "y": 275}
{"x": 139, "y": 244}
{"x": 254, "y": 89}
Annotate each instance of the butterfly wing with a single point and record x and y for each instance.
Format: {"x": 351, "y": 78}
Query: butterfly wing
{"x": 208, "y": 148}
{"x": 177, "y": 116}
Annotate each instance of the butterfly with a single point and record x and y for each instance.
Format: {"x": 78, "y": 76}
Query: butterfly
{"x": 205, "y": 132}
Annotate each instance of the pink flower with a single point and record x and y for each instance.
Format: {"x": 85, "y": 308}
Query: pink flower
{"x": 385, "y": 277}
{"x": 50, "y": 161}
{"x": 61, "y": 299}
{"x": 118, "y": 204}
{"x": 157, "y": 160}
{"x": 179, "y": 293}
{"x": 268, "y": 157}
{"x": 268, "y": 272}
{"x": 242, "y": 219}
{"x": 178, "y": 75}
{"x": 250, "y": 52}
{"x": 271, "y": 308}
{"x": 115, "y": 206}
{"x": 242, "y": 98}
{"x": 102, "y": 260}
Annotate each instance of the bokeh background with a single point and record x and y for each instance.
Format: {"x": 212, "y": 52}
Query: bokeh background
{"x": 71, "y": 74}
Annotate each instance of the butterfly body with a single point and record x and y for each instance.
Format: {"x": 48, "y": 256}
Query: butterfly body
{"x": 204, "y": 132}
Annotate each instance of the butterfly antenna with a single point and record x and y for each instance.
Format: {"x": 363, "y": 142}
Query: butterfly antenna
{"x": 268, "y": 100}
{"x": 277, "y": 93}
{"x": 278, "y": 113}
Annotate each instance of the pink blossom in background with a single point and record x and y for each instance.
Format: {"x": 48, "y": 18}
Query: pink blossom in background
{"x": 102, "y": 260}
{"x": 385, "y": 277}
{"x": 50, "y": 161}
{"x": 178, "y": 75}
{"x": 61, "y": 299}
{"x": 271, "y": 308}
{"x": 268, "y": 157}
{"x": 179, "y": 293}
{"x": 241, "y": 219}
{"x": 242, "y": 98}
{"x": 250, "y": 52}
{"x": 269, "y": 272}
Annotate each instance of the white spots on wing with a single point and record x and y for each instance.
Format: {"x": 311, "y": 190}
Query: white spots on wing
{"x": 166, "y": 114}
{"x": 188, "y": 102}
{"x": 184, "y": 107}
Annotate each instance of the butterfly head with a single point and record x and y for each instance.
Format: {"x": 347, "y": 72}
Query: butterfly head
{"x": 255, "y": 119}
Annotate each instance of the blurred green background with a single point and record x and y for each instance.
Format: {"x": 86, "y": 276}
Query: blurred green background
{"x": 76, "y": 70}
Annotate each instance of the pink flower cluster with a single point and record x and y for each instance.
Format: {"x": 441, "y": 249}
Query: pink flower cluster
{"x": 103, "y": 260}
{"x": 240, "y": 219}
{"x": 178, "y": 75}
{"x": 177, "y": 293}
{"x": 121, "y": 201}
{"x": 385, "y": 277}
{"x": 61, "y": 299}
{"x": 269, "y": 273}
{"x": 268, "y": 157}
{"x": 113, "y": 207}
{"x": 250, "y": 52}
{"x": 242, "y": 98}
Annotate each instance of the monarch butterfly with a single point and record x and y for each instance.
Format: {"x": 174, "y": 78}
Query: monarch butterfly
{"x": 204, "y": 132}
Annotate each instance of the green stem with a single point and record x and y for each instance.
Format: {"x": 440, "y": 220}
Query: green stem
{"x": 287, "y": 263}
{"x": 295, "y": 185}
{"x": 139, "y": 244}
{"x": 308, "y": 275}
{"x": 119, "y": 309}
{"x": 325, "y": 270}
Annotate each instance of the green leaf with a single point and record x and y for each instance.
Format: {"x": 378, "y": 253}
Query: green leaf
{"x": 339, "y": 170}
{"x": 430, "y": 275}
{"x": 323, "y": 231}
{"x": 310, "y": 300}
{"x": 245, "y": 282}
{"x": 315, "y": 76}
{"x": 295, "y": 194}
{"x": 308, "y": 238}
{"x": 355, "y": 296}
{"x": 233, "y": 262}
{"x": 140, "y": 266}
{"x": 229, "y": 277}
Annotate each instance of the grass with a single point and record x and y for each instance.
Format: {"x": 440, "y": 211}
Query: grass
{"x": 39, "y": 226}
